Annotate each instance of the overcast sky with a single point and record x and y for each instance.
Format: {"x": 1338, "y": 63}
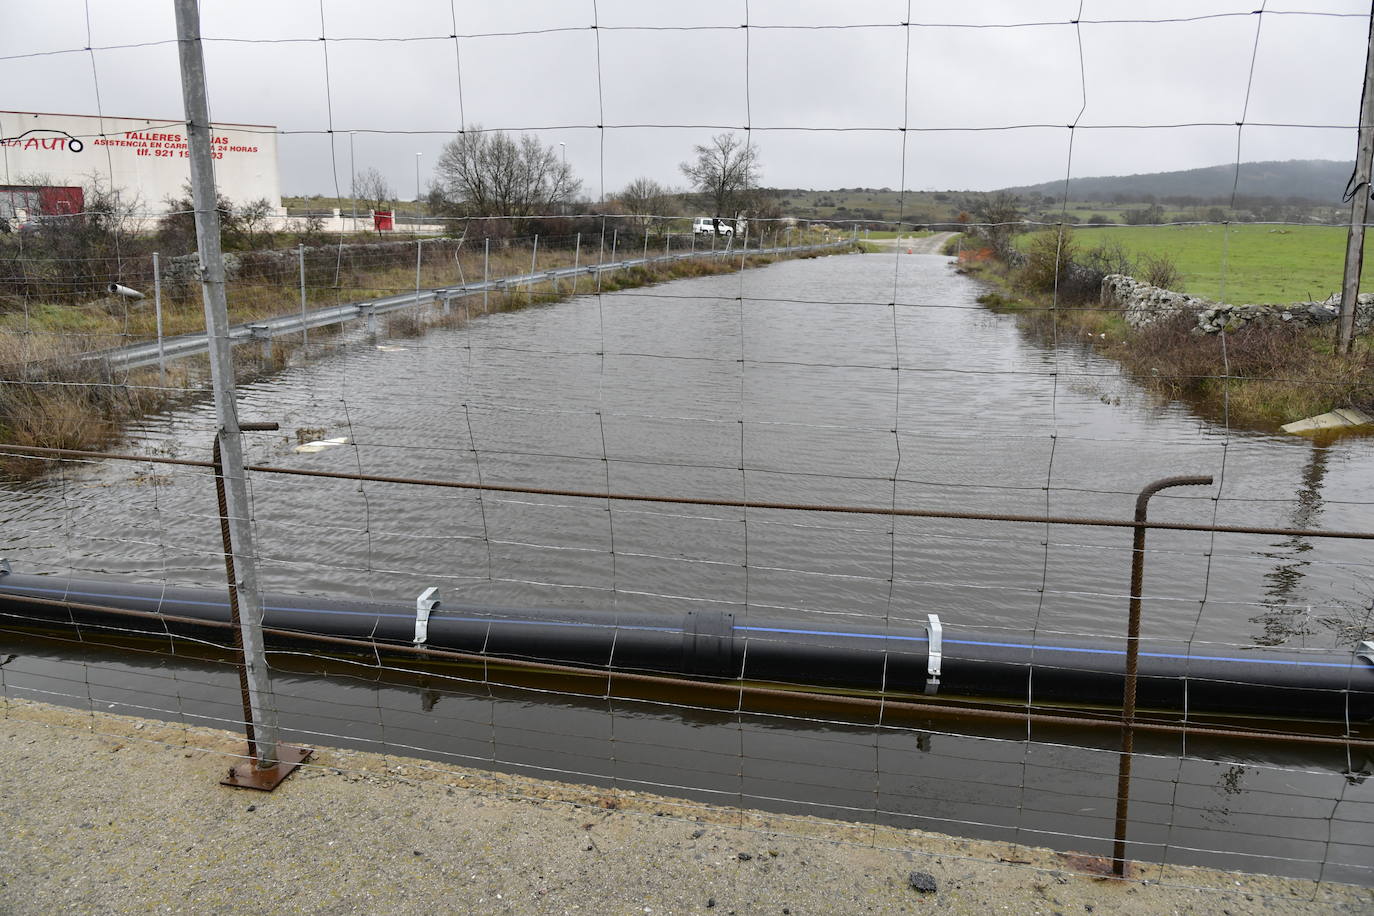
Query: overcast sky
{"x": 825, "y": 105}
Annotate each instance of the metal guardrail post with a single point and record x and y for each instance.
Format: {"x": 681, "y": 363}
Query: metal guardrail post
{"x": 157, "y": 308}
{"x": 1123, "y": 777}
{"x": 263, "y": 334}
{"x": 577, "y": 262}
{"x": 534, "y": 266}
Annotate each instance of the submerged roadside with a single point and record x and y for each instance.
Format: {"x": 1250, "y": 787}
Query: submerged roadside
{"x": 56, "y": 398}
{"x": 119, "y": 814}
{"x": 1259, "y": 376}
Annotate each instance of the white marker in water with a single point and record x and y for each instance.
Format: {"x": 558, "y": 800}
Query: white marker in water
{"x": 320, "y": 445}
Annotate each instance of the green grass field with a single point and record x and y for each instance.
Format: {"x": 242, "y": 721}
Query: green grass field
{"x": 1244, "y": 263}
{"x": 892, "y": 234}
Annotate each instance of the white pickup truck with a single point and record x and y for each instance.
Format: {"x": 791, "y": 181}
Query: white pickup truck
{"x": 705, "y": 225}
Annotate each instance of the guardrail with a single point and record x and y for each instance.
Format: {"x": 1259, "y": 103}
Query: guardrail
{"x": 159, "y": 352}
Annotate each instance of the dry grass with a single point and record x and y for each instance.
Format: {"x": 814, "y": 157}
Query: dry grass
{"x": 1264, "y": 377}
{"x": 50, "y": 398}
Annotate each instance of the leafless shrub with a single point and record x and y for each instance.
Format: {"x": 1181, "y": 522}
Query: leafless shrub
{"x": 1108, "y": 258}
{"x": 1160, "y": 270}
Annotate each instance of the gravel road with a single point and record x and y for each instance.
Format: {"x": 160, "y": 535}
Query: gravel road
{"x": 111, "y": 814}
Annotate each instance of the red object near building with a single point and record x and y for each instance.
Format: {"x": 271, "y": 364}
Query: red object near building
{"x": 383, "y": 220}
{"x": 61, "y": 201}
{"x": 40, "y": 201}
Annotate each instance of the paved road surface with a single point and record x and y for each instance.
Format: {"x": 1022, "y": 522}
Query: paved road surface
{"x": 930, "y": 244}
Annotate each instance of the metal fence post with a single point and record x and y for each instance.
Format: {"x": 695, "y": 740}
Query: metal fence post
{"x": 300, "y": 253}
{"x": 273, "y": 762}
{"x": 534, "y": 262}
{"x": 1123, "y": 776}
{"x": 577, "y": 258}
{"x": 419, "y": 247}
{"x": 157, "y": 308}
{"x": 486, "y": 273}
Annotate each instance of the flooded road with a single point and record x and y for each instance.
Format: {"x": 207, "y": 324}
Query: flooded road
{"x": 781, "y": 384}
{"x": 872, "y": 380}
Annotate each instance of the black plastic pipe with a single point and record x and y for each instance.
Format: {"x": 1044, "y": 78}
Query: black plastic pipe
{"x": 1040, "y": 670}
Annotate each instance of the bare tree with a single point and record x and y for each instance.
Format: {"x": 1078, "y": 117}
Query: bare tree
{"x": 999, "y": 216}
{"x": 489, "y": 173}
{"x": 372, "y": 188}
{"x": 253, "y": 217}
{"x": 645, "y": 199}
{"x": 726, "y": 173}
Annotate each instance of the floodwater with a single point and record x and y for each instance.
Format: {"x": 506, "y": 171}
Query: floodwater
{"x": 870, "y": 380}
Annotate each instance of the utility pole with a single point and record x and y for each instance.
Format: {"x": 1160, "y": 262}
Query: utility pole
{"x": 262, "y": 705}
{"x": 1359, "y": 206}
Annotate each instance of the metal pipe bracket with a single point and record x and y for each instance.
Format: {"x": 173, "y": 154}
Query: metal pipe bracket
{"x": 423, "y": 605}
{"x": 934, "y": 652}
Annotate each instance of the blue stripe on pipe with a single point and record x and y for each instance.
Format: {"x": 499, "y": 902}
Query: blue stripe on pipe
{"x": 739, "y": 628}
{"x": 1043, "y": 648}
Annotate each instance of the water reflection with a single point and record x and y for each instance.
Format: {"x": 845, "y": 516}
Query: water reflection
{"x": 1283, "y": 619}
{"x": 785, "y": 384}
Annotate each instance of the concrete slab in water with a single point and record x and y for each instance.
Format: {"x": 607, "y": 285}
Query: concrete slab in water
{"x": 1344, "y": 418}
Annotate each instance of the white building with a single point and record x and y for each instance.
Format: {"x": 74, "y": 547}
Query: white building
{"x": 45, "y": 157}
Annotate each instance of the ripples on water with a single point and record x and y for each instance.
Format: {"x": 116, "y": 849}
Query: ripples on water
{"x": 780, "y": 384}
{"x": 799, "y": 382}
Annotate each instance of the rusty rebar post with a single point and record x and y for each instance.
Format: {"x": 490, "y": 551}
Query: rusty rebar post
{"x": 231, "y": 578}
{"x": 1123, "y": 777}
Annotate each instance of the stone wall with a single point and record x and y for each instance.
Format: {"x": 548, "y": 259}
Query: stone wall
{"x": 1143, "y": 305}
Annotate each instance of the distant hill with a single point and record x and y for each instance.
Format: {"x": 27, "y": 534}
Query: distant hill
{"x": 1319, "y": 181}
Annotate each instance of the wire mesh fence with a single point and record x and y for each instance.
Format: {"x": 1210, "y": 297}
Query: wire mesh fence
{"x": 821, "y": 433}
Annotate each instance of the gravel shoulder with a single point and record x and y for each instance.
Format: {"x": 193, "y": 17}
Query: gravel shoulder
{"x": 113, "y": 814}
